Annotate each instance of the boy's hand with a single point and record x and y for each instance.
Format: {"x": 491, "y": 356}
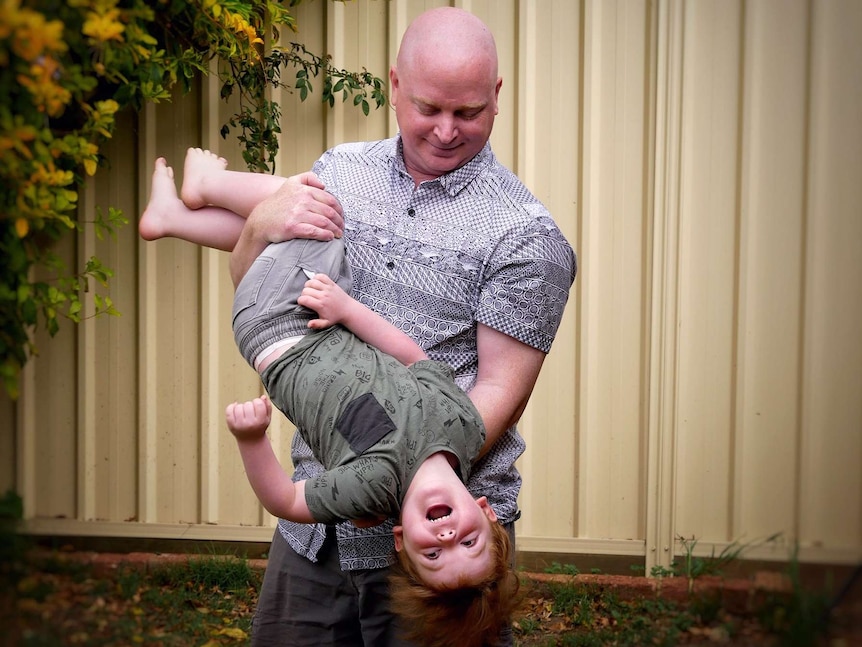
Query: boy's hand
{"x": 249, "y": 420}
{"x": 327, "y": 299}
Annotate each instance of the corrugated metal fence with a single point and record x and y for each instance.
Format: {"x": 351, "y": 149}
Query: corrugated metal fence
{"x": 705, "y": 160}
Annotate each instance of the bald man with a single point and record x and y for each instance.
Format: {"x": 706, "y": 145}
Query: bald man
{"x": 454, "y": 250}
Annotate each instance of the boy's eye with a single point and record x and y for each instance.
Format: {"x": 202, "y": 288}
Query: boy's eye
{"x": 432, "y": 555}
{"x": 468, "y": 543}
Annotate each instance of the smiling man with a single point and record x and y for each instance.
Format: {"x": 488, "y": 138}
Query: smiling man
{"x": 445, "y": 98}
{"x": 453, "y": 249}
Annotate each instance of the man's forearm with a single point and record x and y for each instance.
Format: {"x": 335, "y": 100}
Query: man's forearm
{"x": 508, "y": 370}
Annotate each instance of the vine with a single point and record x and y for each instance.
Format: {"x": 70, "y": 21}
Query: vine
{"x": 66, "y": 69}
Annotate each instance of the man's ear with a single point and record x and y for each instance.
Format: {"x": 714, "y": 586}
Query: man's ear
{"x": 398, "y": 535}
{"x": 393, "y": 86}
{"x": 482, "y": 502}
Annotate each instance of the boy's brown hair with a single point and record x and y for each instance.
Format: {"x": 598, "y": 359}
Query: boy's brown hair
{"x": 472, "y": 616}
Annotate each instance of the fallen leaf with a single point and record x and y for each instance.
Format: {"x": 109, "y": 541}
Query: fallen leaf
{"x": 231, "y": 632}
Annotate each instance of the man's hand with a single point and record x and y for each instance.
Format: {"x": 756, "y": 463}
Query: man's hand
{"x": 301, "y": 208}
{"x": 249, "y": 420}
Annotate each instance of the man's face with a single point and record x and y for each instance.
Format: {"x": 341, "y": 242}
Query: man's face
{"x": 445, "y": 115}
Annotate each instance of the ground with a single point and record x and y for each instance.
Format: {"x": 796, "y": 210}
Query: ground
{"x": 74, "y": 598}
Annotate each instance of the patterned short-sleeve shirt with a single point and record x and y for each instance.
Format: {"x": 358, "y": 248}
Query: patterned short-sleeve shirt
{"x": 471, "y": 246}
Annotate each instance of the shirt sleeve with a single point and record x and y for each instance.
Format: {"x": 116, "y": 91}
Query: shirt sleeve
{"x": 527, "y": 282}
{"x": 362, "y": 488}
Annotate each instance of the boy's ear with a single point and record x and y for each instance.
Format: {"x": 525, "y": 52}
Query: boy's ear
{"x": 398, "y": 535}
{"x": 482, "y": 502}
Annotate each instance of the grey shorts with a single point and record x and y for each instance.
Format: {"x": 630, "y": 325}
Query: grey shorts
{"x": 264, "y": 306}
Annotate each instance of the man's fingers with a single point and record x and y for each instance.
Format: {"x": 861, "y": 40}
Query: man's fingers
{"x": 309, "y": 179}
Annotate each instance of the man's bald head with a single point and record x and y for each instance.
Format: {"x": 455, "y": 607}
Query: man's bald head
{"x": 450, "y": 37}
{"x": 444, "y": 87}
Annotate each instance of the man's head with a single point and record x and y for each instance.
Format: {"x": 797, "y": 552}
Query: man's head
{"x": 444, "y": 87}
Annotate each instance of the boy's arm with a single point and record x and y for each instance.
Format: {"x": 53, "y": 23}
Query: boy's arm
{"x": 333, "y": 305}
{"x": 280, "y": 496}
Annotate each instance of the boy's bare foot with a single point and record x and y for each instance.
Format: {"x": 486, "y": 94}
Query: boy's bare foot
{"x": 198, "y": 171}
{"x": 163, "y": 203}
{"x": 163, "y": 199}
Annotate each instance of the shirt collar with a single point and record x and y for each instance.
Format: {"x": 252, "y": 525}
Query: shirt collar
{"x": 453, "y": 181}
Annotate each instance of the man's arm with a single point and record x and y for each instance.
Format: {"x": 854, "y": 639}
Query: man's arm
{"x": 299, "y": 209}
{"x": 508, "y": 370}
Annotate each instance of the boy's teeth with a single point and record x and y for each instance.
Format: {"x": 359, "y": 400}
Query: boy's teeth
{"x": 437, "y": 512}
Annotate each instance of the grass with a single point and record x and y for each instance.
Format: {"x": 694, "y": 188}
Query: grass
{"x": 573, "y": 611}
{"x": 204, "y": 601}
{"x": 209, "y": 600}
{"x": 584, "y": 615}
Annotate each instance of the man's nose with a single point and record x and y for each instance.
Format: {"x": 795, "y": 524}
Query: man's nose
{"x": 445, "y": 130}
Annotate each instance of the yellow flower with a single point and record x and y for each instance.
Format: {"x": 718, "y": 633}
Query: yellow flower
{"x": 104, "y": 27}
{"x": 34, "y": 36}
{"x": 21, "y": 227}
{"x": 107, "y": 107}
{"x": 48, "y": 96}
{"x": 51, "y": 176}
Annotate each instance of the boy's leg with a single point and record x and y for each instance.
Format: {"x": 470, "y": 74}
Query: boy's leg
{"x": 167, "y": 217}
{"x": 206, "y": 181}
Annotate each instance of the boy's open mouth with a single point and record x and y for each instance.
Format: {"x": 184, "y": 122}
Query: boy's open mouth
{"x": 437, "y": 512}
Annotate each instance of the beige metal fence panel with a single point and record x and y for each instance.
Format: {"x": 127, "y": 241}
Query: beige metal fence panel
{"x": 547, "y": 88}
{"x": 831, "y": 381}
{"x": 708, "y": 276}
{"x": 753, "y": 238}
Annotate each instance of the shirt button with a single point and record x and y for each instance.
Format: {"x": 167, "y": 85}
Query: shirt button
{"x": 411, "y": 211}
{"x": 390, "y": 264}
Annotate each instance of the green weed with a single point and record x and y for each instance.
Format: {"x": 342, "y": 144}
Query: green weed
{"x": 562, "y": 569}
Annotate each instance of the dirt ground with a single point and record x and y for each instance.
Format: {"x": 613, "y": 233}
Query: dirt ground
{"x": 558, "y": 609}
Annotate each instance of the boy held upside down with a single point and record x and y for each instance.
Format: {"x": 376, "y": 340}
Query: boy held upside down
{"x": 393, "y": 430}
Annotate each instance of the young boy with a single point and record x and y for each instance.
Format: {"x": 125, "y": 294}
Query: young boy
{"x": 395, "y": 433}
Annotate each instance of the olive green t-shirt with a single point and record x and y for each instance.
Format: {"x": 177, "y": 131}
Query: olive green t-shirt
{"x": 370, "y": 420}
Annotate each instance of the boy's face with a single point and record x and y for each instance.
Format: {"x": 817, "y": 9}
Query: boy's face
{"x": 446, "y": 533}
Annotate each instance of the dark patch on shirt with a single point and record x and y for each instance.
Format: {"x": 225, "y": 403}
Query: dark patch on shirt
{"x": 364, "y": 423}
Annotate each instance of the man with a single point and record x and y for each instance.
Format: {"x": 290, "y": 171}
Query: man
{"x": 449, "y": 246}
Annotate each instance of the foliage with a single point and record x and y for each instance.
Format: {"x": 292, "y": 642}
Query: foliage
{"x": 557, "y": 568}
{"x": 209, "y": 600}
{"x": 692, "y": 567}
{"x": 203, "y": 601}
{"x": 67, "y": 67}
